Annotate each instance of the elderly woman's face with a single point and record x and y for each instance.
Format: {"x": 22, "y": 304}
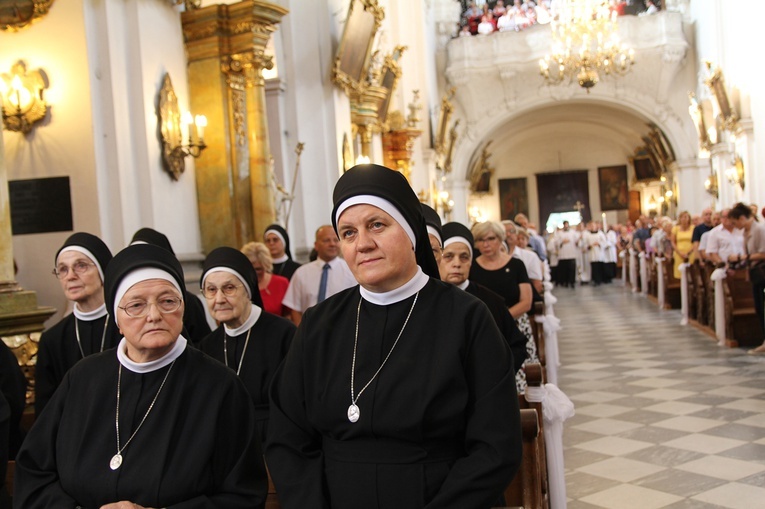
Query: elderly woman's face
{"x": 454, "y": 266}
{"x": 488, "y": 244}
{"x": 152, "y": 336}
{"x": 232, "y": 309}
{"x": 376, "y": 248}
{"x": 435, "y": 246}
{"x": 83, "y": 287}
{"x": 275, "y": 245}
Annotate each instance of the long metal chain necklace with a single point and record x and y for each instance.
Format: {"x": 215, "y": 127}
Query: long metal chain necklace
{"x": 77, "y": 333}
{"x": 116, "y": 460}
{"x": 353, "y": 411}
{"x": 244, "y": 351}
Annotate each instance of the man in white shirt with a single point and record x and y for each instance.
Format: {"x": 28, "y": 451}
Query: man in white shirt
{"x": 566, "y": 241}
{"x": 312, "y": 280}
{"x": 726, "y": 244}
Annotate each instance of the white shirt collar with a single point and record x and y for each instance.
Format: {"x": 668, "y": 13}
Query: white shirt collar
{"x": 403, "y": 292}
{"x": 464, "y": 284}
{"x": 247, "y": 325}
{"x": 90, "y": 315}
{"x": 281, "y": 259}
{"x": 148, "y": 367}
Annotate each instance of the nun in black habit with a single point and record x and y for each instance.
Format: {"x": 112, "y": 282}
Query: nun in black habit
{"x": 194, "y": 318}
{"x": 277, "y": 240}
{"x": 456, "y": 259}
{"x": 249, "y": 341}
{"x": 152, "y": 423}
{"x": 398, "y": 393}
{"x": 79, "y": 267}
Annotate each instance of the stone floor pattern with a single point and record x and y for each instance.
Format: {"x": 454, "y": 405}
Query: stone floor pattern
{"x": 664, "y": 417}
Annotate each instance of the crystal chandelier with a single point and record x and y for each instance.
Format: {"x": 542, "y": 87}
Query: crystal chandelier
{"x": 585, "y": 43}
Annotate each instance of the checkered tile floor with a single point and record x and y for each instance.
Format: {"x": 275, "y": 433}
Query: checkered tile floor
{"x": 664, "y": 417}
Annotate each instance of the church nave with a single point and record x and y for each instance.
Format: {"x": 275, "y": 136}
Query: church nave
{"x": 664, "y": 417}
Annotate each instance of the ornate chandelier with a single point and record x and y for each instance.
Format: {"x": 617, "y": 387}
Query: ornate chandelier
{"x": 585, "y": 43}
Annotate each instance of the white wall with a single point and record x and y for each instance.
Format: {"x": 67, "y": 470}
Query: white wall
{"x": 105, "y": 61}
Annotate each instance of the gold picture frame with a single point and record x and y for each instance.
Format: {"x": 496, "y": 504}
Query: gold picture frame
{"x": 19, "y": 14}
{"x": 353, "y": 54}
{"x": 391, "y": 72}
{"x": 696, "y": 110}
{"x": 716, "y": 84}
{"x": 444, "y": 116}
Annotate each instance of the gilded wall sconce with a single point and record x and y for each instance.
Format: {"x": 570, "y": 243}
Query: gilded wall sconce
{"x": 22, "y": 98}
{"x": 175, "y": 129}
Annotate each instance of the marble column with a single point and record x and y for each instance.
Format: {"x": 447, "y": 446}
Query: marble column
{"x": 225, "y": 45}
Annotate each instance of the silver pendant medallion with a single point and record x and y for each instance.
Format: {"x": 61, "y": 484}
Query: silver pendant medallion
{"x": 353, "y": 413}
{"x": 116, "y": 462}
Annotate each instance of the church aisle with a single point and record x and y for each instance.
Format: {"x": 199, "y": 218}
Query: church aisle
{"x": 664, "y": 417}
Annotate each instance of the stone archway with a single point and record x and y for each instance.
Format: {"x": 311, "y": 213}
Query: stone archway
{"x": 501, "y": 96}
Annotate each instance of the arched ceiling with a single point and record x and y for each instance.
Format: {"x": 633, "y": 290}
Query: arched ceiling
{"x": 570, "y": 122}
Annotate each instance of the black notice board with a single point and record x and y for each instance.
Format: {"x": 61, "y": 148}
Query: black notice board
{"x": 40, "y": 205}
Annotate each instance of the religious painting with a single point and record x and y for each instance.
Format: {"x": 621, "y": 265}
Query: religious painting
{"x": 563, "y": 192}
{"x": 645, "y": 168}
{"x": 513, "y": 198}
{"x": 613, "y": 187}
{"x": 352, "y": 59}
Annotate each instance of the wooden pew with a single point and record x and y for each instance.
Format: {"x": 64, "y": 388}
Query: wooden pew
{"x": 706, "y": 271}
{"x": 526, "y": 488}
{"x": 538, "y": 331}
{"x": 698, "y": 295}
{"x": 272, "y": 500}
{"x": 671, "y": 286}
{"x": 741, "y": 327}
{"x": 653, "y": 278}
{"x": 535, "y": 378}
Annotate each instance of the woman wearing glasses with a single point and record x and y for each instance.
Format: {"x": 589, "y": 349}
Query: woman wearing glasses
{"x": 249, "y": 341}
{"x": 151, "y": 424}
{"x": 80, "y": 266}
{"x": 498, "y": 271}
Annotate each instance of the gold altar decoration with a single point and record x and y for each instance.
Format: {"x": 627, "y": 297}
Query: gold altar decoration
{"x": 182, "y": 135}
{"x": 398, "y": 140}
{"x": 696, "y": 111}
{"x": 18, "y": 14}
{"x": 355, "y": 49}
{"x": 226, "y": 54}
{"x": 715, "y": 81}
{"x": 22, "y": 97}
{"x": 481, "y": 171}
{"x": 585, "y": 44}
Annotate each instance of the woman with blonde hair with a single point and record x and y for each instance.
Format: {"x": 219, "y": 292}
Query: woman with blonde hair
{"x": 272, "y": 286}
{"x": 498, "y": 271}
{"x": 682, "y": 245}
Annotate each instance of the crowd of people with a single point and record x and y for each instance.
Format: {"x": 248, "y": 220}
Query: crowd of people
{"x": 482, "y": 18}
{"x": 381, "y": 374}
{"x": 732, "y": 238}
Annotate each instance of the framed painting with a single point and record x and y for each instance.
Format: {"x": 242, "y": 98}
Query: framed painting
{"x": 563, "y": 192}
{"x": 513, "y": 198}
{"x": 612, "y": 181}
{"x": 352, "y": 59}
{"x": 645, "y": 169}
{"x": 716, "y": 84}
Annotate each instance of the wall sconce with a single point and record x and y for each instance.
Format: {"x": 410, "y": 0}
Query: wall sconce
{"x": 22, "y": 98}
{"x": 445, "y": 204}
{"x": 710, "y": 184}
{"x": 735, "y": 174}
{"x": 652, "y": 202}
{"x": 477, "y": 215}
{"x": 175, "y": 129}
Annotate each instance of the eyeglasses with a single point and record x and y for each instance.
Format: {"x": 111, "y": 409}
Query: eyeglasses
{"x": 78, "y": 268}
{"x": 228, "y": 290}
{"x": 140, "y": 308}
{"x": 487, "y": 239}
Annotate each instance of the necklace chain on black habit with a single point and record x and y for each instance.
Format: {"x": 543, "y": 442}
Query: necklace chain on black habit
{"x": 244, "y": 351}
{"x": 116, "y": 461}
{"x": 77, "y": 334}
{"x": 353, "y": 411}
